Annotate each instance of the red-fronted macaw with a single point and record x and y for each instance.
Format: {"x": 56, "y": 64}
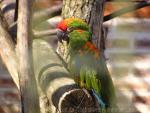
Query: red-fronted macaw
{"x": 87, "y": 65}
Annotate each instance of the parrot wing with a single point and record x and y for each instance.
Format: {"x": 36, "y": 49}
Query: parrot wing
{"x": 107, "y": 87}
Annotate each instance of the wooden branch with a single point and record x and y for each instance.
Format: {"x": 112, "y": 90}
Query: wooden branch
{"x": 7, "y": 7}
{"x": 56, "y": 83}
{"x": 126, "y": 10}
{"x": 28, "y": 87}
{"x": 45, "y": 32}
{"x": 13, "y": 28}
{"x": 1, "y": 1}
{"x": 41, "y": 16}
{"x": 7, "y": 51}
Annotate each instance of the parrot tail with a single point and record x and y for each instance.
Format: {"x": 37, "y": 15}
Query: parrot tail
{"x": 100, "y": 101}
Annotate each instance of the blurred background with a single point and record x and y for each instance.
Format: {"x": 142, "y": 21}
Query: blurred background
{"x": 128, "y": 51}
{"x": 128, "y": 56}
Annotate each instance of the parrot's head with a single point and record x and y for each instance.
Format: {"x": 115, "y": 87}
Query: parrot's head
{"x": 78, "y": 35}
{"x": 75, "y": 31}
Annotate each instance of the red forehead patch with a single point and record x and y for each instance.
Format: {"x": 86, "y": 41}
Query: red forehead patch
{"x": 62, "y": 25}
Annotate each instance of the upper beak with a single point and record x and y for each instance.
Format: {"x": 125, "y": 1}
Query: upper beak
{"x": 61, "y": 35}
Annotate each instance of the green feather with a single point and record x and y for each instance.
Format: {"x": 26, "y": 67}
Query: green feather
{"x": 82, "y": 76}
{"x": 88, "y": 78}
{"x": 79, "y": 25}
{"x": 96, "y": 84}
{"x": 78, "y": 39}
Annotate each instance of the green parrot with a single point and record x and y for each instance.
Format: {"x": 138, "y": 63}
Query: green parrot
{"x": 87, "y": 65}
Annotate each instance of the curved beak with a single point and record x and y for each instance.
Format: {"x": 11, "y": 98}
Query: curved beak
{"x": 62, "y": 35}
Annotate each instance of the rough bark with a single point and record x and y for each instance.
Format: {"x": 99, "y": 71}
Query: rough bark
{"x": 7, "y": 50}
{"x": 27, "y": 82}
